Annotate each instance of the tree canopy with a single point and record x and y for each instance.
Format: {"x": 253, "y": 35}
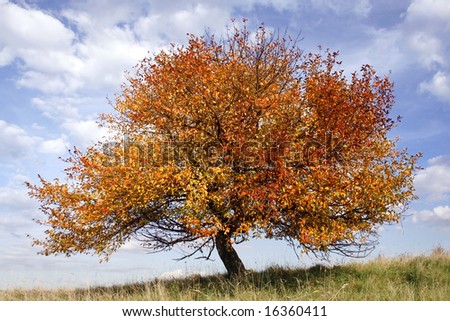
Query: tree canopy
{"x": 220, "y": 141}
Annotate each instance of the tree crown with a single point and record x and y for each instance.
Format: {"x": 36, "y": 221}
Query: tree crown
{"x": 241, "y": 137}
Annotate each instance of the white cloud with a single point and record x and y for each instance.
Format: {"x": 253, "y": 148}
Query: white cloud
{"x": 31, "y": 28}
{"x": 17, "y": 208}
{"x": 14, "y": 140}
{"x": 362, "y": 8}
{"x": 109, "y": 12}
{"x": 114, "y": 38}
{"x": 175, "y": 274}
{"x": 426, "y": 10}
{"x": 55, "y": 146}
{"x": 132, "y": 246}
{"x": 15, "y": 199}
{"x": 418, "y": 40}
{"x": 179, "y": 273}
{"x": 429, "y": 48}
{"x": 421, "y": 35}
{"x": 6, "y": 56}
{"x": 100, "y": 40}
{"x": 168, "y": 24}
{"x": 55, "y": 60}
{"x": 385, "y": 52}
{"x": 16, "y": 143}
{"x": 28, "y": 29}
{"x": 439, "y": 216}
{"x": 84, "y": 133}
{"x": 106, "y": 56}
{"x": 427, "y": 29}
{"x": 433, "y": 182}
{"x": 76, "y": 121}
{"x": 438, "y": 86}
{"x": 359, "y": 8}
{"x": 107, "y": 38}
{"x": 48, "y": 82}
{"x": 41, "y": 43}
{"x": 57, "y": 108}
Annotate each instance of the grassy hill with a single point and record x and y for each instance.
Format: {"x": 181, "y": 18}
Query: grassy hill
{"x": 401, "y": 278}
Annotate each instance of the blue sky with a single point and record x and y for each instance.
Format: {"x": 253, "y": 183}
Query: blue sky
{"x": 61, "y": 60}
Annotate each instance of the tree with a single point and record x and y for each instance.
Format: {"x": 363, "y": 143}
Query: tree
{"x": 224, "y": 140}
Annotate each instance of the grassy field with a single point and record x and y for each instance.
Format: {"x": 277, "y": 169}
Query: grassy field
{"x": 402, "y": 278}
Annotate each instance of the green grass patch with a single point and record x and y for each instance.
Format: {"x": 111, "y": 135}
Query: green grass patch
{"x": 400, "y": 279}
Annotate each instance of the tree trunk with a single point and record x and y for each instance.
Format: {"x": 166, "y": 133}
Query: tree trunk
{"x": 228, "y": 255}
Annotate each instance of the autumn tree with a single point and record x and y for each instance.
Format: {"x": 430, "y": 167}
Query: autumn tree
{"x": 220, "y": 141}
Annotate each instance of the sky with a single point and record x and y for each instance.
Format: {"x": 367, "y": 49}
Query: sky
{"x": 62, "y": 62}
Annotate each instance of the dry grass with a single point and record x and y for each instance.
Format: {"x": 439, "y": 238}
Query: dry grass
{"x": 401, "y": 279}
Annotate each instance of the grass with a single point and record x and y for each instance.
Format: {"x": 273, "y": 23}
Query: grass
{"x": 403, "y": 278}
